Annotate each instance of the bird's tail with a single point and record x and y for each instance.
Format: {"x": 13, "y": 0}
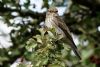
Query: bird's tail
{"x": 73, "y": 46}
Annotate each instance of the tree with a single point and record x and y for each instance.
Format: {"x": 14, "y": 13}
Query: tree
{"x": 32, "y": 44}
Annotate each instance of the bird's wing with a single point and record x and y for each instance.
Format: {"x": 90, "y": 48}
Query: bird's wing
{"x": 65, "y": 29}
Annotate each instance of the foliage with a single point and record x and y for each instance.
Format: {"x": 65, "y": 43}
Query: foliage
{"x": 44, "y": 49}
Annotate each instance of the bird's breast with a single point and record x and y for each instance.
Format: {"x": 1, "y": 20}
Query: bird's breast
{"x": 49, "y": 22}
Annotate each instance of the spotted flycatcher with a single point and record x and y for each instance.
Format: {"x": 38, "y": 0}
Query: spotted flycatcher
{"x": 54, "y": 21}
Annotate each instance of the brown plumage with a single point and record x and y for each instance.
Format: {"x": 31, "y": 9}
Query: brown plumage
{"x": 54, "y": 21}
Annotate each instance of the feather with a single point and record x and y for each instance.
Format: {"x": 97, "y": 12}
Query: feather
{"x": 65, "y": 29}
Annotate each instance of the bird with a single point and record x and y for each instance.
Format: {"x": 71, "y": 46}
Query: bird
{"x": 53, "y": 20}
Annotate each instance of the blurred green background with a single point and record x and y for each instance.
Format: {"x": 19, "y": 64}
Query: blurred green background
{"x": 31, "y": 46}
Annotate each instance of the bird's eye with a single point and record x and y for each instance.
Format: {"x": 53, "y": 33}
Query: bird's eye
{"x": 49, "y": 10}
{"x": 56, "y": 11}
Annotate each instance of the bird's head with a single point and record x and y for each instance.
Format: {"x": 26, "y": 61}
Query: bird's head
{"x": 52, "y": 11}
